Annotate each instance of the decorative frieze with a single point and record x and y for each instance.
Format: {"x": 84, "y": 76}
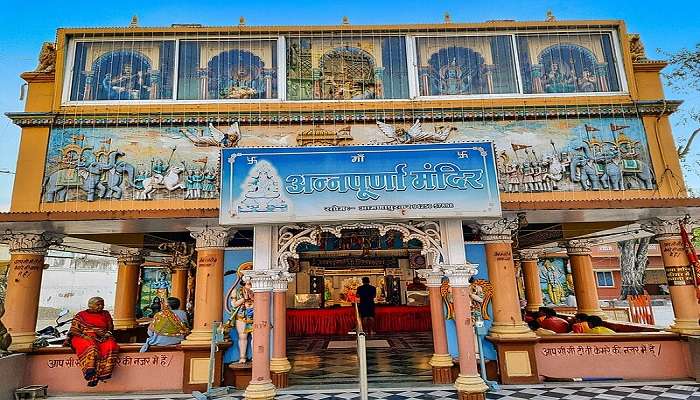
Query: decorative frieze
{"x": 501, "y": 230}
{"x": 261, "y": 281}
{"x": 210, "y": 237}
{"x": 530, "y": 254}
{"x": 280, "y": 280}
{"x": 30, "y": 243}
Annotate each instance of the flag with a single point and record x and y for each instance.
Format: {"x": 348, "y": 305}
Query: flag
{"x": 615, "y": 128}
{"x": 517, "y": 147}
{"x": 591, "y": 128}
{"x": 692, "y": 257}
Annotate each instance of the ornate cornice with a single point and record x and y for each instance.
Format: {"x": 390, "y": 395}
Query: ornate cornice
{"x": 429, "y": 112}
{"x": 667, "y": 228}
{"x": 459, "y": 274}
{"x": 131, "y": 256}
{"x": 210, "y": 237}
{"x": 501, "y": 230}
{"x": 262, "y": 281}
{"x": 30, "y": 243}
{"x": 433, "y": 277}
{"x": 578, "y": 247}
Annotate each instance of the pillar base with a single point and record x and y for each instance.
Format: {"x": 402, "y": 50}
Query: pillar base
{"x": 470, "y": 396}
{"x": 280, "y": 379}
{"x": 442, "y": 375}
{"x": 197, "y": 338}
{"x": 280, "y": 365}
{"x": 501, "y": 331}
{"x": 22, "y": 341}
{"x": 260, "y": 391}
{"x": 470, "y": 385}
{"x": 681, "y": 326}
{"x": 441, "y": 360}
{"x": 125, "y": 324}
{"x": 533, "y": 308}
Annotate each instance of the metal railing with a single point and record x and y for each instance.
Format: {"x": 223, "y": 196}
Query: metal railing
{"x": 361, "y": 354}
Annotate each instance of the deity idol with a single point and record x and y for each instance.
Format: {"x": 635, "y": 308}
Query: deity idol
{"x": 242, "y": 314}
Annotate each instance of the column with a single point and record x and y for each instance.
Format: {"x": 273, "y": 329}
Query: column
{"x": 27, "y": 252}
{"x": 679, "y": 275}
{"x": 279, "y": 364}
{"x": 469, "y": 383}
{"x": 531, "y": 279}
{"x": 179, "y": 284}
{"x": 126, "y": 294}
{"x": 441, "y": 361}
{"x": 585, "y": 288}
{"x": 209, "y": 282}
{"x": 507, "y": 320}
{"x": 260, "y": 386}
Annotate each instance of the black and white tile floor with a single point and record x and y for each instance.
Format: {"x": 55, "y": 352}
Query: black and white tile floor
{"x": 651, "y": 391}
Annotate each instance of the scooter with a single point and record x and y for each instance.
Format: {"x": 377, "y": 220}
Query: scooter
{"x": 52, "y": 335}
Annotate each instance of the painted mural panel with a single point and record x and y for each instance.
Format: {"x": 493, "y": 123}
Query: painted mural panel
{"x": 144, "y": 163}
{"x": 227, "y": 69}
{"x": 346, "y": 68}
{"x": 556, "y": 281}
{"x": 465, "y": 65}
{"x": 128, "y": 70}
{"x": 568, "y": 63}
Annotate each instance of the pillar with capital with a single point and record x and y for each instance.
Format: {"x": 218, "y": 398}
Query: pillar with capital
{"x": 469, "y": 384}
{"x": 260, "y": 386}
{"x": 679, "y": 274}
{"x": 441, "y": 361}
{"x": 585, "y": 288}
{"x": 497, "y": 238}
{"x": 129, "y": 269}
{"x": 531, "y": 279}
{"x": 279, "y": 364}
{"x": 208, "y": 301}
{"x": 27, "y": 253}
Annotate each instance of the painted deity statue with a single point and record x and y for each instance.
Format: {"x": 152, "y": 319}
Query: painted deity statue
{"x": 242, "y": 314}
{"x": 556, "y": 81}
{"x": 552, "y": 277}
{"x": 162, "y": 286}
{"x": 451, "y": 80}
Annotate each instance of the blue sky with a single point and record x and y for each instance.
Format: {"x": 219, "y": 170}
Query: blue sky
{"x": 27, "y": 24}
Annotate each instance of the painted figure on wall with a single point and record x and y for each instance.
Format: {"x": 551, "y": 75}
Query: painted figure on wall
{"x": 480, "y": 292}
{"x": 239, "y": 308}
{"x": 242, "y": 314}
{"x": 553, "y": 280}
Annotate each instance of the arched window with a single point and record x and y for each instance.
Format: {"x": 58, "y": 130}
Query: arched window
{"x": 456, "y": 70}
{"x": 568, "y": 68}
{"x": 236, "y": 74}
{"x": 122, "y": 75}
{"x": 347, "y": 73}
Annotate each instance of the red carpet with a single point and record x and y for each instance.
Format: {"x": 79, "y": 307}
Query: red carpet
{"x": 340, "y": 321}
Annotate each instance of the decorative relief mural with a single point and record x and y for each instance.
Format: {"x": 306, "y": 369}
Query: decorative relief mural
{"x": 556, "y": 280}
{"x": 144, "y": 163}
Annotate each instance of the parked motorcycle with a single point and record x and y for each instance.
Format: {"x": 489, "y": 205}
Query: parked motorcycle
{"x": 52, "y": 335}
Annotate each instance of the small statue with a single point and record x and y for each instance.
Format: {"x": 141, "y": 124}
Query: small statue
{"x": 5, "y": 338}
{"x": 47, "y": 58}
{"x": 242, "y": 314}
{"x": 636, "y": 47}
{"x": 550, "y": 16}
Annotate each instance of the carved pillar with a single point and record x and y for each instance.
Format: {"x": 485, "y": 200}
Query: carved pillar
{"x": 531, "y": 279}
{"x": 279, "y": 364}
{"x": 379, "y": 83}
{"x": 209, "y": 281}
{"x": 679, "y": 274}
{"x": 585, "y": 288}
{"x": 441, "y": 361}
{"x": 469, "y": 383}
{"x": 424, "y": 81}
{"x": 507, "y": 320}
{"x": 154, "y": 92}
{"x": 261, "y": 386}
{"x": 27, "y": 252}
{"x": 203, "y": 74}
{"x": 129, "y": 267}
{"x": 87, "y": 94}
{"x": 488, "y": 72}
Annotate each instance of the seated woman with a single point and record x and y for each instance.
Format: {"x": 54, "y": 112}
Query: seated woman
{"x": 579, "y": 324}
{"x": 90, "y": 336}
{"x": 169, "y": 326}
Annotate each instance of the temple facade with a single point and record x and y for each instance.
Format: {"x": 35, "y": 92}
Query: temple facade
{"x": 303, "y": 158}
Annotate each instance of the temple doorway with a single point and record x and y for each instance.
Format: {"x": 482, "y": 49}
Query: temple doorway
{"x": 321, "y": 319}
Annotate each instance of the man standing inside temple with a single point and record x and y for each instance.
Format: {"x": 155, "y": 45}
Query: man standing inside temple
{"x": 366, "y": 293}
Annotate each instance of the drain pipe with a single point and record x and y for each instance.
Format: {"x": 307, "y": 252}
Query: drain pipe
{"x": 481, "y": 333}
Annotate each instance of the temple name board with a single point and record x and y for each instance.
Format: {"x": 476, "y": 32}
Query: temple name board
{"x": 311, "y": 184}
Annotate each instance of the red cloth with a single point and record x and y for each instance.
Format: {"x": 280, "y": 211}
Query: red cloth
{"x": 94, "y": 345}
{"x": 555, "y": 324}
{"x": 340, "y": 321}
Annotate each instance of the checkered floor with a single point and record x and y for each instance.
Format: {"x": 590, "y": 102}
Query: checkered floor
{"x": 686, "y": 391}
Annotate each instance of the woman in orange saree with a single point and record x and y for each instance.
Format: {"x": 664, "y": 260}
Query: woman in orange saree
{"x": 90, "y": 336}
